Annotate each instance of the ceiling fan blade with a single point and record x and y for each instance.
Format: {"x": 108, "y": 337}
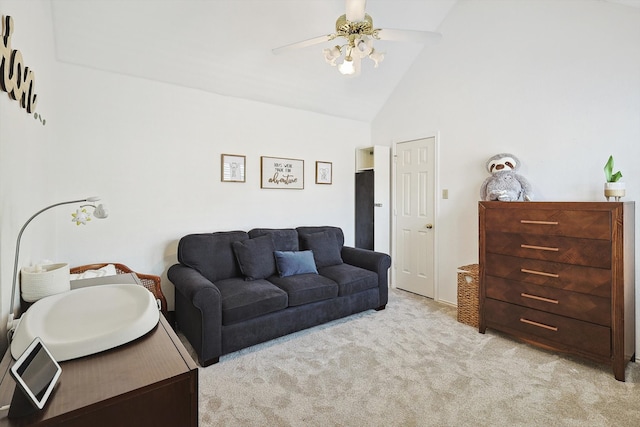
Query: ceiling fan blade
{"x": 355, "y": 10}
{"x": 408, "y": 35}
{"x": 299, "y": 45}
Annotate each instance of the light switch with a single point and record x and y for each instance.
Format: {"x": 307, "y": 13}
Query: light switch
{"x": 445, "y": 193}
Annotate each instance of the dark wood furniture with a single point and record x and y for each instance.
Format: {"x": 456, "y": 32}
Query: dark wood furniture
{"x": 149, "y": 382}
{"x": 561, "y": 275}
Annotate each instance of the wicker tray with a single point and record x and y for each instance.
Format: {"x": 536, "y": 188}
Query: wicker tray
{"x": 468, "y": 282}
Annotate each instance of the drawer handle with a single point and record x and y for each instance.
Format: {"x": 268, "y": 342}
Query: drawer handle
{"x": 529, "y": 221}
{"x": 542, "y": 248}
{"x": 539, "y": 273}
{"x": 552, "y": 301}
{"x": 540, "y": 325}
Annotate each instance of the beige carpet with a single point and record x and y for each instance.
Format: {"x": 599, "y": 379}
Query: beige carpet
{"x": 412, "y": 364}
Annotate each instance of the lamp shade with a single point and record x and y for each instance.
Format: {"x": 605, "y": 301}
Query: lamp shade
{"x": 347, "y": 66}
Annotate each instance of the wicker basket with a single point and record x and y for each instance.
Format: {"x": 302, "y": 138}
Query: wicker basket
{"x": 468, "y": 282}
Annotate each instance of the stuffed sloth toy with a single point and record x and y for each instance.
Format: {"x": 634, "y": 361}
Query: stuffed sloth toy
{"x": 505, "y": 184}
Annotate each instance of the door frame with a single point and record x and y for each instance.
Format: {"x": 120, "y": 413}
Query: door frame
{"x": 436, "y": 209}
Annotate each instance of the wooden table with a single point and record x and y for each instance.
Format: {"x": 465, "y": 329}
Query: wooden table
{"x": 151, "y": 381}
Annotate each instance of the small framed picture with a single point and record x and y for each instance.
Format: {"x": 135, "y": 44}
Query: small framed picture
{"x": 323, "y": 172}
{"x": 233, "y": 168}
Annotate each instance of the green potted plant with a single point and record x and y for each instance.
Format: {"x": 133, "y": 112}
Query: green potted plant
{"x": 613, "y": 187}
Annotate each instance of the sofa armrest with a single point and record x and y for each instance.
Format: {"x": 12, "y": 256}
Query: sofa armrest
{"x": 377, "y": 262}
{"x": 198, "y": 311}
{"x": 364, "y": 258}
{"x": 191, "y": 283}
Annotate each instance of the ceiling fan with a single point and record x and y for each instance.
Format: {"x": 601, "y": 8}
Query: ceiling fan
{"x": 356, "y": 31}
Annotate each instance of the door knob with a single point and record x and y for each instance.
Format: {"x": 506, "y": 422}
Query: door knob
{"x": 429, "y": 226}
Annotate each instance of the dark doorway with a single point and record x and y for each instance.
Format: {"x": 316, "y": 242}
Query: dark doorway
{"x": 364, "y": 209}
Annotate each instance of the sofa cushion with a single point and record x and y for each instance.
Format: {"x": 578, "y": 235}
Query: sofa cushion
{"x": 350, "y": 279}
{"x": 242, "y": 300}
{"x": 325, "y": 247}
{"x": 211, "y": 254}
{"x": 336, "y": 231}
{"x": 290, "y": 263}
{"x": 306, "y": 288}
{"x": 284, "y": 239}
{"x": 255, "y": 257}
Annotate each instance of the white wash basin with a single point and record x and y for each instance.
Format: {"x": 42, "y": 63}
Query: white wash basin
{"x": 87, "y": 320}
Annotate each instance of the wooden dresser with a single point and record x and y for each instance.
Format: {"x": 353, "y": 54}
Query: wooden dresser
{"x": 560, "y": 275}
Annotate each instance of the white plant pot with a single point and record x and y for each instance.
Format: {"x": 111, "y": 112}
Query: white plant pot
{"x": 614, "y": 189}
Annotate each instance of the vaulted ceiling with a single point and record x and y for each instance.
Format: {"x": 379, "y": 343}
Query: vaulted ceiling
{"x": 224, "y": 47}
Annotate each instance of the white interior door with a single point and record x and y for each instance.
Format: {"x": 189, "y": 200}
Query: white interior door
{"x": 415, "y": 199}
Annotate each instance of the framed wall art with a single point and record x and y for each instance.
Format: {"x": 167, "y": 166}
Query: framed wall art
{"x": 324, "y": 172}
{"x": 233, "y": 168}
{"x": 278, "y": 172}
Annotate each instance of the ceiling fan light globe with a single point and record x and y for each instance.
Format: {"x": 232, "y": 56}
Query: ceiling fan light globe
{"x": 331, "y": 55}
{"x": 376, "y": 57}
{"x": 347, "y": 67}
{"x": 364, "y": 46}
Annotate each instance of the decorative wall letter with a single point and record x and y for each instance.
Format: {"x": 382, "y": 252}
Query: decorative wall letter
{"x": 15, "y": 79}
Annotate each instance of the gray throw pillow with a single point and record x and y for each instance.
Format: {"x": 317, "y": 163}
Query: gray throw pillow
{"x": 325, "y": 247}
{"x": 255, "y": 257}
{"x": 290, "y": 263}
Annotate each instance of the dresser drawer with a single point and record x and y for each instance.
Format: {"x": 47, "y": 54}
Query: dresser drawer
{"x": 587, "y": 280}
{"x": 551, "y": 222}
{"x": 568, "y": 250}
{"x": 567, "y": 333}
{"x": 566, "y": 303}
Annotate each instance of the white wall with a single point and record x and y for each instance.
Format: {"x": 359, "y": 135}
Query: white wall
{"x": 152, "y": 152}
{"x": 555, "y": 82}
{"x": 26, "y": 145}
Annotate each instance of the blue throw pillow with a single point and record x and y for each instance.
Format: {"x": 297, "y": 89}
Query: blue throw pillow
{"x": 290, "y": 263}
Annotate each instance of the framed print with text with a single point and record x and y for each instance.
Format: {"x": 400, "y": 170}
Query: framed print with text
{"x": 278, "y": 172}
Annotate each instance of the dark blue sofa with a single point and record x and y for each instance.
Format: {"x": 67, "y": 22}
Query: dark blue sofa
{"x": 231, "y": 293}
